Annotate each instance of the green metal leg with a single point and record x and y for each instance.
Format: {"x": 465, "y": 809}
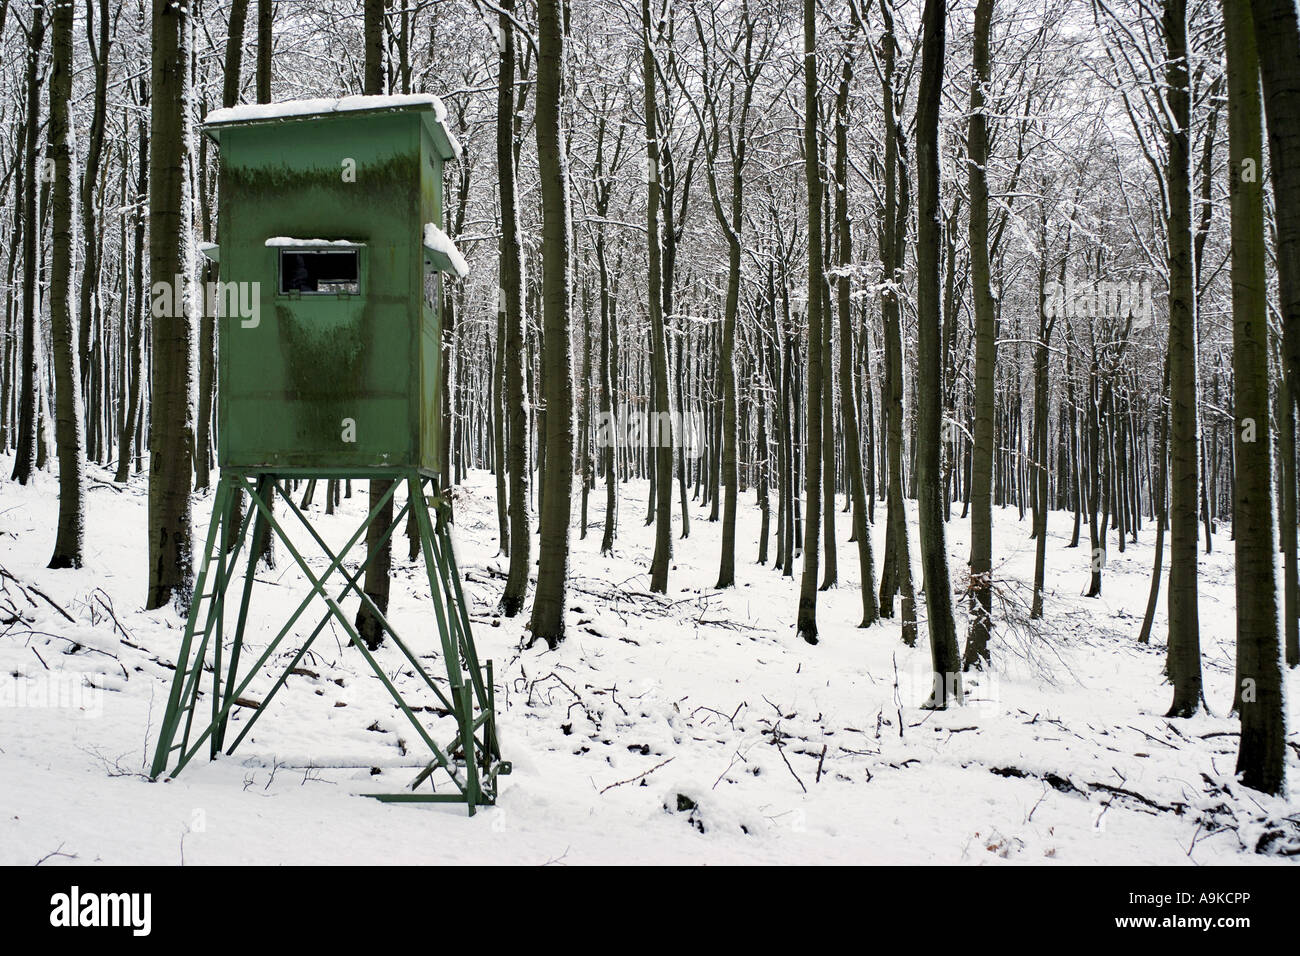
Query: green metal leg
{"x": 237, "y": 646}
{"x": 450, "y": 644}
{"x": 171, "y": 716}
{"x": 369, "y": 602}
{"x": 348, "y": 627}
{"x": 470, "y": 702}
{"x": 351, "y": 585}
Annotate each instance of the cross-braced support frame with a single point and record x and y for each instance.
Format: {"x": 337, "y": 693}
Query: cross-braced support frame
{"x": 471, "y": 759}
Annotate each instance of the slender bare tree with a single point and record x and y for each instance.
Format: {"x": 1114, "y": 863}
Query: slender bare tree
{"x": 944, "y": 653}
{"x": 1261, "y": 758}
{"x": 547, "y": 622}
{"x": 171, "y": 434}
{"x": 69, "y": 423}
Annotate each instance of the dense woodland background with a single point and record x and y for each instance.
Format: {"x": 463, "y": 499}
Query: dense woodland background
{"x": 826, "y": 231}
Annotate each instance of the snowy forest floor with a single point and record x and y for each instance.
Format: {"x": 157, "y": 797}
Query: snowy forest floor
{"x": 788, "y": 753}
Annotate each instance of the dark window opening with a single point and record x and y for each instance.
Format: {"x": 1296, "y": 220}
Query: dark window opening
{"x": 432, "y": 285}
{"x": 309, "y": 272}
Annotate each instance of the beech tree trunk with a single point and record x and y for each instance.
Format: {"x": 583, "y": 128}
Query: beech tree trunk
{"x": 25, "y": 451}
{"x": 848, "y": 400}
{"x": 806, "y": 623}
{"x": 1184, "y": 427}
{"x": 547, "y": 622}
{"x": 133, "y": 371}
{"x": 171, "y": 435}
{"x": 986, "y": 349}
{"x": 511, "y": 282}
{"x": 929, "y": 410}
{"x": 1277, "y": 33}
{"x": 1261, "y": 757}
{"x": 660, "y": 432}
{"x": 69, "y": 424}
{"x": 376, "y": 584}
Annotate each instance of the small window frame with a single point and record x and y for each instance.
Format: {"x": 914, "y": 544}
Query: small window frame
{"x": 432, "y": 283}
{"x": 355, "y": 249}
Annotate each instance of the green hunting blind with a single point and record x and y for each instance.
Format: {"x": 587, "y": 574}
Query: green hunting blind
{"x": 324, "y": 206}
{"x": 331, "y": 265}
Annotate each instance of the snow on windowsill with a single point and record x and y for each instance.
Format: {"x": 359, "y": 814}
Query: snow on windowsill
{"x": 291, "y": 242}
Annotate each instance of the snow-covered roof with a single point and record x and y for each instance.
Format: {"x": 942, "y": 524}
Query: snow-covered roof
{"x": 287, "y": 109}
{"x": 440, "y": 244}
{"x": 324, "y": 105}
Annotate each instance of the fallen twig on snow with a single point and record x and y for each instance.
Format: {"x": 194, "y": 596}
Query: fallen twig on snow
{"x": 640, "y": 776}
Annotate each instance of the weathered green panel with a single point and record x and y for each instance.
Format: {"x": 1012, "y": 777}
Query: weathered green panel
{"x": 430, "y": 408}
{"x": 291, "y": 382}
{"x": 430, "y": 392}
